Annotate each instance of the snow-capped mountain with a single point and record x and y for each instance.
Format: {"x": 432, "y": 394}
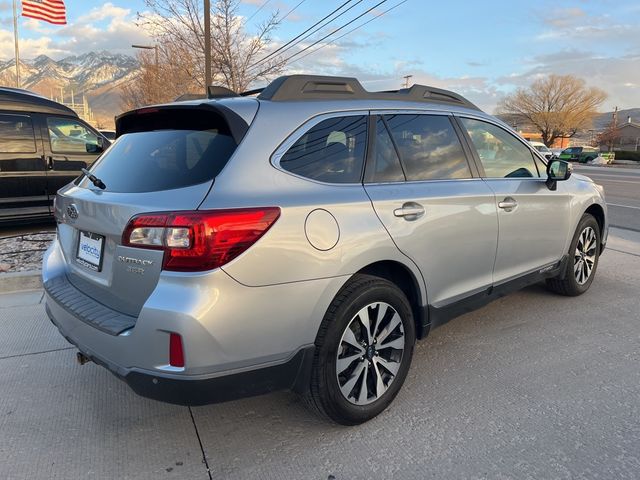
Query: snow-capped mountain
{"x": 96, "y": 75}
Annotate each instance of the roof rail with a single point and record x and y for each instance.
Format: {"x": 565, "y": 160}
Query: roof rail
{"x": 316, "y": 87}
{"x": 18, "y": 99}
{"x": 218, "y": 91}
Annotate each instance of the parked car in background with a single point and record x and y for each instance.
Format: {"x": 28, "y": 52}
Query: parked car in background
{"x": 109, "y": 134}
{"x": 579, "y": 154}
{"x": 305, "y": 239}
{"x": 43, "y": 146}
{"x": 543, "y": 149}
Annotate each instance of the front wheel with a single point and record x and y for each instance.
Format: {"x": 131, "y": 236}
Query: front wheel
{"x": 363, "y": 351}
{"x": 584, "y": 254}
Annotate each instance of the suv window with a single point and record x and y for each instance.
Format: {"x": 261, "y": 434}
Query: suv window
{"x": 67, "y": 135}
{"x": 16, "y": 134}
{"x": 332, "y": 151}
{"x": 502, "y": 155}
{"x": 429, "y": 147}
{"x": 385, "y": 166}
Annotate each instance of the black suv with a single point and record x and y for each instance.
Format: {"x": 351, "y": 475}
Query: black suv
{"x": 43, "y": 146}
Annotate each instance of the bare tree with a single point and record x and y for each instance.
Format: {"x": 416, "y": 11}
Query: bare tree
{"x": 234, "y": 49}
{"x": 160, "y": 83}
{"x": 609, "y": 137}
{"x": 558, "y": 105}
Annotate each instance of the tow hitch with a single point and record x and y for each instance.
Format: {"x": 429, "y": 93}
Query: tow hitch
{"x": 82, "y": 358}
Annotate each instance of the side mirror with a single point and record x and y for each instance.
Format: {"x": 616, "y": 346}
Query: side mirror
{"x": 557, "y": 171}
{"x": 93, "y": 148}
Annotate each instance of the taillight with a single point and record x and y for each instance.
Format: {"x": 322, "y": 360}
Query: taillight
{"x": 199, "y": 240}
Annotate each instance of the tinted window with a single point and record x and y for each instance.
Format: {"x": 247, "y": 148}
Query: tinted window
{"x": 164, "y": 159}
{"x": 429, "y": 147}
{"x": 501, "y": 154}
{"x": 385, "y": 165}
{"x": 67, "y": 135}
{"x": 332, "y": 151}
{"x": 16, "y": 134}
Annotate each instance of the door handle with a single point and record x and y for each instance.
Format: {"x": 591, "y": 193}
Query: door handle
{"x": 410, "y": 211}
{"x": 508, "y": 204}
{"x": 50, "y": 163}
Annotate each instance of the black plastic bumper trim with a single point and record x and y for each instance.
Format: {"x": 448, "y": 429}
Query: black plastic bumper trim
{"x": 292, "y": 374}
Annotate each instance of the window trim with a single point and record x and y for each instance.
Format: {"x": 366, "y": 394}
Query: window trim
{"x": 474, "y": 151}
{"x": 33, "y": 132}
{"x": 371, "y": 153}
{"x": 284, "y": 147}
{"x": 454, "y": 125}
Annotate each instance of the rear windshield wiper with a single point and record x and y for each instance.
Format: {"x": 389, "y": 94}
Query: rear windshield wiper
{"x": 95, "y": 180}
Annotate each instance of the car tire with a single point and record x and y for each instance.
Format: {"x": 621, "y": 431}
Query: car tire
{"x": 582, "y": 263}
{"x": 356, "y": 372}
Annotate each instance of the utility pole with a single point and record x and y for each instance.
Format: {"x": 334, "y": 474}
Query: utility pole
{"x": 207, "y": 45}
{"x": 406, "y": 80}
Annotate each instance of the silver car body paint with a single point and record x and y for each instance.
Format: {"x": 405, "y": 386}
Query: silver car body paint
{"x": 267, "y": 304}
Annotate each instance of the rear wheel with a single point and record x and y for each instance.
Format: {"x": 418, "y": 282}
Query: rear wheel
{"x": 363, "y": 351}
{"x": 581, "y": 267}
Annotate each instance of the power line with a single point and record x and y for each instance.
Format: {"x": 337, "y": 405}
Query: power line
{"x": 316, "y": 30}
{"x": 292, "y": 10}
{"x": 300, "y": 35}
{"x": 336, "y": 31}
{"x": 351, "y": 31}
{"x": 257, "y": 11}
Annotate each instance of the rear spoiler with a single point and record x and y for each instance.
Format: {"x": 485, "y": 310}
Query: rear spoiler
{"x": 143, "y": 119}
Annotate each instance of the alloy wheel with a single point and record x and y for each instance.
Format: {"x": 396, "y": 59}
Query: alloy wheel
{"x": 370, "y": 353}
{"x": 585, "y": 255}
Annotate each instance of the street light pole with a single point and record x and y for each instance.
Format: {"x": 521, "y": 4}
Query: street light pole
{"x": 149, "y": 47}
{"x": 207, "y": 45}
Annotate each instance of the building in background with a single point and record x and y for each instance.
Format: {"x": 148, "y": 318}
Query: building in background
{"x": 625, "y": 136}
{"x": 82, "y": 109}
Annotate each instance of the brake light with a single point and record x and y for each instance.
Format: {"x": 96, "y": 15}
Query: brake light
{"x": 199, "y": 240}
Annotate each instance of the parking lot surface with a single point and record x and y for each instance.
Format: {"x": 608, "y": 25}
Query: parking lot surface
{"x": 532, "y": 386}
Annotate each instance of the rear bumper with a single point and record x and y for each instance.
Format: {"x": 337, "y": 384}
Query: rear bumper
{"x": 237, "y": 340}
{"x": 293, "y": 374}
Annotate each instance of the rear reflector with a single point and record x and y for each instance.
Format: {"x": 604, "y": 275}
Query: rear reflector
{"x": 199, "y": 240}
{"x": 176, "y": 354}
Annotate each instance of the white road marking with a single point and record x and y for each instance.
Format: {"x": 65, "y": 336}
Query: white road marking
{"x": 625, "y": 206}
{"x": 617, "y": 181}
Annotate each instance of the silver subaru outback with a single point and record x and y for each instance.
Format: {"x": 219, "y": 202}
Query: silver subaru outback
{"x": 304, "y": 239}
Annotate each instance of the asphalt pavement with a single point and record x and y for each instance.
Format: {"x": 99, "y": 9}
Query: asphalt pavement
{"x": 534, "y": 385}
{"x": 622, "y": 193}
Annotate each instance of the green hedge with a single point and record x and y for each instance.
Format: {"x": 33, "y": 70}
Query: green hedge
{"x": 627, "y": 155}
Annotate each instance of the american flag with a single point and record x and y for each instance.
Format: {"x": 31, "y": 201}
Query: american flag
{"x": 52, "y": 11}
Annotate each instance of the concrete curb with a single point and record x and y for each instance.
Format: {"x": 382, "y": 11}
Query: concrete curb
{"x": 20, "y": 281}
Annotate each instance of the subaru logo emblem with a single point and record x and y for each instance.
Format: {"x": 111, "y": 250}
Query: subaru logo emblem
{"x": 72, "y": 211}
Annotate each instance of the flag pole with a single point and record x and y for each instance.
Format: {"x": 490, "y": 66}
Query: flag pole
{"x": 15, "y": 35}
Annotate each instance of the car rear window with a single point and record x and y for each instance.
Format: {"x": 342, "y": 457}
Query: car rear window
{"x": 178, "y": 152}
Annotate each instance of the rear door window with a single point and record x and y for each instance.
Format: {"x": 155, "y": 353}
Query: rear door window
{"x": 429, "y": 147}
{"x": 181, "y": 148}
{"x": 384, "y": 165}
{"x": 332, "y": 151}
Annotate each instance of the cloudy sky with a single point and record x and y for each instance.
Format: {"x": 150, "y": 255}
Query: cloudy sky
{"x": 480, "y": 49}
